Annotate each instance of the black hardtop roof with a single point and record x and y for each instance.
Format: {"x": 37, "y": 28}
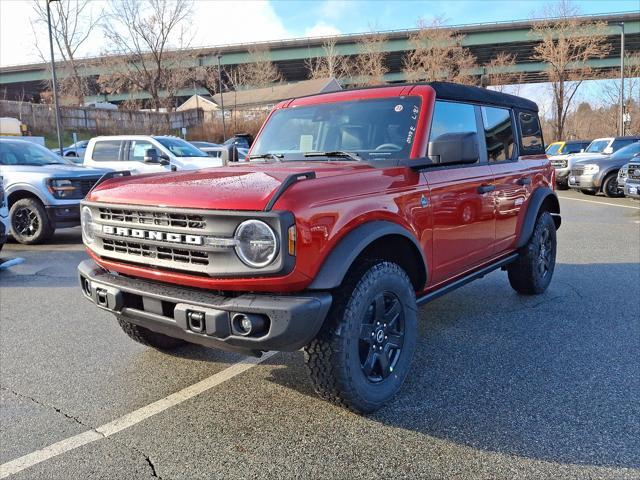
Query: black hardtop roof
{"x": 465, "y": 93}
{"x": 628, "y": 137}
{"x": 577, "y": 141}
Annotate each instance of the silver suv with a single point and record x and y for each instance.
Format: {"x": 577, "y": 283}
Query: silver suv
{"x": 43, "y": 190}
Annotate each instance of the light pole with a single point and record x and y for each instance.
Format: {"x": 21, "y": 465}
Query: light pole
{"x": 621, "y": 78}
{"x": 224, "y": 128}
{"x": 53, "y": 77}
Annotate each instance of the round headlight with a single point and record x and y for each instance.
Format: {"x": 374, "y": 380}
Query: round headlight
{"x": 86, "y": 219}
{"x": 256, "y": 243}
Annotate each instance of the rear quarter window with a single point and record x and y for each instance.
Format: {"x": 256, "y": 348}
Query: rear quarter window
{"x": 106, "y": 151}
{"x": 530, "y": 133}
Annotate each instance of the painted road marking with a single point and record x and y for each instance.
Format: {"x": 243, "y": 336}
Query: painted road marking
{"x": 130, "y": 419}
{"x": 599, "y": 203}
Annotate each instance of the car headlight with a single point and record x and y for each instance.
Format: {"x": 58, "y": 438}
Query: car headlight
{"x": 591, "y": 168}
{"x": 62, "y": 188}
{"x": 256, "y": 243}
{"x": 86, "y": 220}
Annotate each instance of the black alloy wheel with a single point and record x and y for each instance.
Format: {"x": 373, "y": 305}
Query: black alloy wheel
{"x": 381, "y": 337}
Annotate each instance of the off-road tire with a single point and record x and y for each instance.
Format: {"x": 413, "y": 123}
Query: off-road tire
{"x": 562, "y": 186}
{"x": 531, "y": 273}
{"x": 591, "y": 193}
{"x": 149, "y": 338}
{"x": 608, "y": 187}
{"x": 333, "y": 359}
{"x": 42, "y": 228}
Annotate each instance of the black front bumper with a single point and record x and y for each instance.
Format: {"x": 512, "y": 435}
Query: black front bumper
{"x": 64, "y": 216}
{"x": 291, "y": 321}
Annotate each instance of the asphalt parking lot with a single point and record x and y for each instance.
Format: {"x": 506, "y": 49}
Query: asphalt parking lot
{"x": 503, "y": 386}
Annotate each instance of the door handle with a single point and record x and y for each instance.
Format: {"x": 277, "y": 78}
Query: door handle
{"x": 524, "y": 181}
{"x": 486, "y": 188}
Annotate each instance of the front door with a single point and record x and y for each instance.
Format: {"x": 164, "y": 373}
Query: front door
{"x": 462, "y": 200}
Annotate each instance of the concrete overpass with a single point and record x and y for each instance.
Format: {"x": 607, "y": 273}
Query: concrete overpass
{"x": 484, "y": 41}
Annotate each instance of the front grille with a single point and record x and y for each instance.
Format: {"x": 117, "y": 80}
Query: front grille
{"x": 87, "y": 184}
{"x": 159, "y": 219}
{"x": 634, "y": 172}
{"x": 171, "y": 254}
{"x": 559, "y": 163}
{"x": 577, "y": 171}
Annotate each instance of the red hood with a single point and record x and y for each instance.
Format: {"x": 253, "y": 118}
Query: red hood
{"x": 246, "y": 187}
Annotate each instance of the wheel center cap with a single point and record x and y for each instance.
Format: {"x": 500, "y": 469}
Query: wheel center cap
{"x": 380, "y": 336}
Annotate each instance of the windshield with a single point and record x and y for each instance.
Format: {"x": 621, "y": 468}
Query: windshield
{"x": 375, "y": 129}
{"x": 628, "y": 151}
{"x": 26, "y": 153}
{"x": 554, "y": 148}
{"x": 180, "y": 148}
{"x": 597, "y": 146}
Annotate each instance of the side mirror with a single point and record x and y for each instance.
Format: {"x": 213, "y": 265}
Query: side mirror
{"x": 151, "y": 156}
{"x": 455, "y": 148}
{"x": 582, "y": 150}
{"x": 608, "y": 150}
{"x": 232, "y": 153}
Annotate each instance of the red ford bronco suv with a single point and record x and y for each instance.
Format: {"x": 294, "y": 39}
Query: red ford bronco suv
{"x": 354, "y": 208}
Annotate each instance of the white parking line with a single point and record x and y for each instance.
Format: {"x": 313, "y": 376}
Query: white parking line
{"x": 129, "y": 420}
{"x": 599, "y": 203}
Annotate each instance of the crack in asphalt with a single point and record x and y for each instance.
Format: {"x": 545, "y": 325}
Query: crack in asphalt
{"x": 147, "y": 458}
{"x": 43, "y": 404}
{"x": 572, "y": 287}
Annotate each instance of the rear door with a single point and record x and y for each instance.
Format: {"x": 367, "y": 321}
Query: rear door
{"x": 461, "y": 199}
{"x": 514, "y": 175}
{"x": 106, "y": 153}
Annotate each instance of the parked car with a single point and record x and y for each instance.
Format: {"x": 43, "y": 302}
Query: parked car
{"x": 74, "y": 152}
{"x": 146, "y": 154}
{"x": 632, "y": 184}
{"x": 566, "y": 147}
{"x": 600, "y": 172}
{"x": 211, "y": 149}
{"x": 560, "y": 154}
{"x": 240, "y": 140}
{"x": 4, "y": 215}
{"x": 353, "y": 204}
{"x": 43, "y": 190}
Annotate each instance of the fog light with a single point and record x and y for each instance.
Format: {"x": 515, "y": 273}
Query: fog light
{"x": 248, "y": 324}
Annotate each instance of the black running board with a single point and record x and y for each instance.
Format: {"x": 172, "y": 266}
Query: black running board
{"x": 466, "y": 279}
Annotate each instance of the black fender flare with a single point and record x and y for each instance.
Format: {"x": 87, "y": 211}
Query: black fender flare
{"x": 338, "y": 262}
{"x": 537, "y": 199}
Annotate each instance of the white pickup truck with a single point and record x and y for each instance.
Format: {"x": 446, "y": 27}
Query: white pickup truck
{"x": 146, "y": 154}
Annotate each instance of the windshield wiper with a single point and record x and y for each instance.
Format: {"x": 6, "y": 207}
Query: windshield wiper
{"x": 266, "y": 156}
{"x": 337, "y": 153}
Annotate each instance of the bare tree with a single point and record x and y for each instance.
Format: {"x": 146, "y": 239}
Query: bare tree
{"x": 259, "y": 71}
{"x": 369, "y": 65}
{"x": 566, "y": 44}
{"x": 329, "y": 64}
{"x": 438, "y": 54}
{"x": 146, "y": 36}
{"x": 500, "y": 72}
{"x": 609, "y": 92}
{"x": 72, "y": 23}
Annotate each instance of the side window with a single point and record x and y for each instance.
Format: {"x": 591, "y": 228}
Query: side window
{"x": 531, "y": 133}
{"x": 137, "y": 149}
{"x": 450, "y": 117}
{"x": 106, "y": 151}
{"x": 623, "y": 142}
{"x": 498, "y": 133}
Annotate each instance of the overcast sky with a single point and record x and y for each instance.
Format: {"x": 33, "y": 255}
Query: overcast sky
{"x": 223, "y": 22}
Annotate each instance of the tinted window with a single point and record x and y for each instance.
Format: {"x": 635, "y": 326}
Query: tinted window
{"x": 553, "y": 149}
{"x": 106, "y": 151}
{"x": 180, "y": 148}
{"x": 498, "y": 133}
{"x": 597, "y": 146}
{"x": 623, "y": 142}
{"x": 573, "y": 148}
{"x": 531, "y": 134}
{"x": 449, "y": 117}
{"x": 137, "y": 148}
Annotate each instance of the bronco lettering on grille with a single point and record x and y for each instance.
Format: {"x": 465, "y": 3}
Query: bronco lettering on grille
{"x": 152, "y": 235}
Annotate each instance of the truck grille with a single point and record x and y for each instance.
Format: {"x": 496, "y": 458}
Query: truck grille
{"x": 159, "y": 219}
{"x": 152, "y": 251}
{"x": 577, "y": 171}
{"x": 87, "y": 184}
{"x": 634, "y": 172}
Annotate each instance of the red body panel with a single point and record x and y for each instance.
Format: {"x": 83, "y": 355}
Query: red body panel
{"x": 457, "y": 227}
